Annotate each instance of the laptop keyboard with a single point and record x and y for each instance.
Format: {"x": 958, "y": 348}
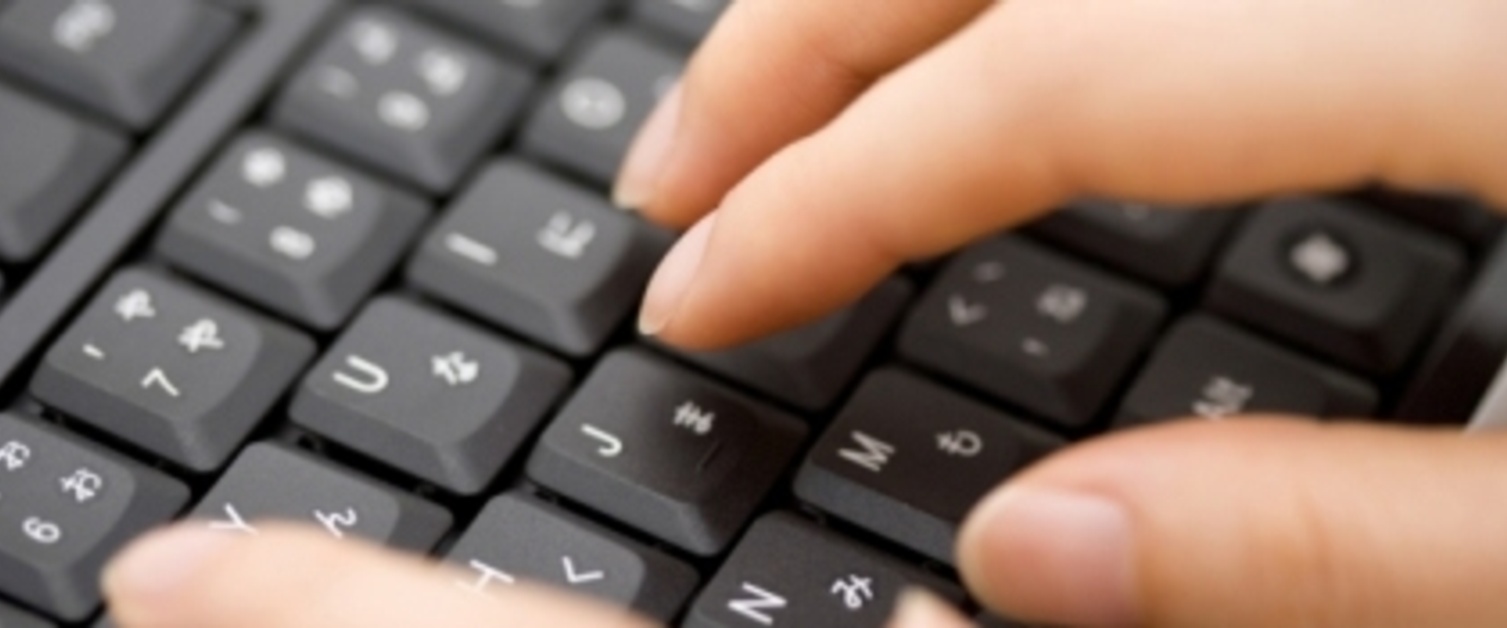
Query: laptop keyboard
{"x": 353, "y": 264}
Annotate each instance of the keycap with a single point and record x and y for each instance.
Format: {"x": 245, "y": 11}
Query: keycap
{"x": 811, "y": 366}
{"x": 907, "y": 459}
{"x": 1169, "y": 247}
{"x": 1321, "y": 274}
{"x": 67, "y": 508}
{"x": 1455, "y": 215}
{"x": 291, "y": 231}
{"x": 788, "y": 572}
{"x": 665, "y": 450}
{"x": 429, "y": 395}
{"x": 12, "y": 617}
{"x": 272, "y": 482}
{"x": 1032, "y": 328}
{"x": 686, "y": 20}
{"x": 1210, "y": 369}
{"x": 592, "y": 112}
{"x": 170, "y": 368}
{"x": 404, "y": 98}
{"x": 529, "y": 251}
{"x": 1461, "y": 362}
{"x": 127, "y": 59}
{"x": 537, "y": 30}
{"x": 50, "y": 163}
{"x": 521, "y": 537}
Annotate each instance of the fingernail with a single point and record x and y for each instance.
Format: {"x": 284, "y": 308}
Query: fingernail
{"x": 1057, "y": 556}
{"x": 160, "y": 565}
{"x": 646, "y": 158}
{"x": 918, "y": 608}
{"x": 673, "y": 279}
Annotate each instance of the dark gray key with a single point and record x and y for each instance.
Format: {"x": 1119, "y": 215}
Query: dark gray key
{"x": 520, "y": 537}
{"x": 1210, "y": 369}
{"x": 665, "y": 450}
{"x": 272, "y": 482}
{"x": 908, "y": 459}
{"x": 538, "y": 30}
{"x": 1171, "y": 247}
{"x": 1032, "y": 328}
{"x": 1456, "y": 215}
{"x": 592, "y": 112}
{"x": 294, "y": 232}
{"x": 67, "y": 507}
{"x": 1325, "y": 275}
{"x": 50, "y": 162}
{"x": 788, "y": 572}
{"x": 429, "y": 395}
{"x": 12, "y": 617}
{"x": 686, "y": 20}
{"x": 529, "y": 251}
{"x": 1462, "y": 361}
{"x": 128, "y": 59}
{"x": 811, "y": 366}
{"x": 169, "y": 368}
{"x": 419, "y": 104}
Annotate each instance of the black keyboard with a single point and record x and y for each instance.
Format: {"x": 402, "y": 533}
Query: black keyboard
{"x": 352, "y": 264}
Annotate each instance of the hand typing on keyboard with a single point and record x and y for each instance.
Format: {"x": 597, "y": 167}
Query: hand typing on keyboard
{"x": 840, "y": 139}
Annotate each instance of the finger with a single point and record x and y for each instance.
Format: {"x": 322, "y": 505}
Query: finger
{"x": 189, "y": 577}
{"x": 772, "y": 71}
{"x": 1259, "y": 523}
{"x": 1041, "y": 100}
{"x": 919, "y": 609}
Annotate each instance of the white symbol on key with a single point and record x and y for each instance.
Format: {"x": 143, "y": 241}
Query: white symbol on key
{"x": 468, "y": 248}
{"x": 1062, "y": 303}
{"x": 872, "y": 454}
{"x": 203, "y": 335}
{"x": 403, "y": 111}
{"x": 84, "y": 485}
{"x": 223, "y": 213}
{"x": 157, "y": 378}
{"x": 580, "y": 577}
{"x": 566, "y": 236}
{"x": 989, "y": 272}
{"x": 611, "y": 447}
{"x": 691, "y": 417}
{"x": 1321, "y": 259}
{"x": 486, "y": 576}
{"x": 1034, "y": 347}
{"x": 960, "y": 443}
{"x": 443, "y": 71}
{"x": 758, "y": 607}
{"x": 965, "y": 314}
{"x": 291, "y": 243}
{"x": 135, "y": 304}
{"x": 14, "y": 456}
{"x": 337, "y": 82}
{"x": 264, "y": 167}
{"x": 233, "y": 522}
{"x": 329, "y": 197}
{"x": 337, "y": 523}
{"x": 369, "y": 378}
{"x": 455, "y": 369}
{"x": 94, "y": 352}
{"x": 41, "y": 531}
{"x": 1223, "y": 397}
{"x": 83, "y": 24}
{"x": 855, "y": 591}
{"x": 375, "y": 42}
{"x": 593, "y": 103}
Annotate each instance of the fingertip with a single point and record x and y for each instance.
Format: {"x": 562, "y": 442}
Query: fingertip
{"x": 919, "y": 608}
{"x": 146, "y": 580}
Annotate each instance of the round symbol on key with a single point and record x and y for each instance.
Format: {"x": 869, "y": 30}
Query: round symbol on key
{"x": 593, "y": 103}
{"x": 329, "y": 197}
{"x": 264, "y": 167}
{"x": 403, "y": 111}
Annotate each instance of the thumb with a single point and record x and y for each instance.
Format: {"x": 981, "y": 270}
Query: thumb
{"x": 1251, "y": 523}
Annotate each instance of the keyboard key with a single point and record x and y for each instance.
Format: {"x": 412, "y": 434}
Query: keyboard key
{"x": 50, "y": 162}
{"x": 787, "y": 572}
{"x": 1322, "y": 274}
{"x": 67, "y": 508}
{"x": 1032, "y": 328}
{"x": 127, "y": 59}
{"x": 429, "y": 395}
{"x": 811, "y": 366}
{"x": 913, "y": 481}
{"x": 1457, "y": 216}
{"x": 520, "y": 537}
{"x": 404, "y": 98}
{"x": 592, "y": 112}
{"x": 666, "y": 451}
{"x": 1206, "y": 368}
{"x": 12, "y": 617}
{"x": 1463, "y": 359}
{"x": 169, "y": 368}
{"x": 1170, "y": 247}
{"x": 538, "y": 30}
{"x": 294, "y": 232}
{"x": 686, "y": 20}
{"x": 531, "y": 252}
{"x": 273, "y": 482}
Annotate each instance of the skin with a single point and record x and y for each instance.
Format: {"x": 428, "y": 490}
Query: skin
{"x": 841, "y": 138}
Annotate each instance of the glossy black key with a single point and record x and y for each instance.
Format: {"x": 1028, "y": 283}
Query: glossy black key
{"x": 665, "y": 450}
{"x": 592, "y": 112}
{"x": 272, "y": 482}
{"x": 128, "y": 59}
{"x": 50, "y": 162}
{"x": 170, "y": 368}
{"x": 1323, "y": 274}
{"x": 537, "y": 30}
{"x": 1170, "y": 247}
{"x": 400, "y": 96}
{"x": 810, "y": 366}
{"x": 907, "y": 459}
{"x": 1032, "y": 328}
{"x": 520, "y": 537}
{"x": 68, "y": 507}
{"x": 1210, "y": 369}
{"x": 688, "y": 21}
{"x": 428, "y": 394}
{"x": 788, "y": 572}
{"x": 12, "y": 617}
{"x": 534, "y": 253}
{"x": 1462, "y": 361}
{"x": 294, "y": 232}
